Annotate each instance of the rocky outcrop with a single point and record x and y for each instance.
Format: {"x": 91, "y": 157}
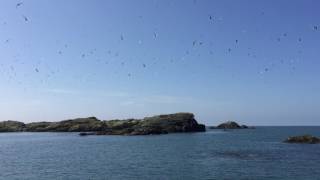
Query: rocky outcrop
{"x": 305, "y": 139}
{"x": 162, "y": 124}
{"x": 245, "y": 127}
{"x": 72, "y": 125}
{"x": 11, "y": 126}
{"x": 230, "y": 125}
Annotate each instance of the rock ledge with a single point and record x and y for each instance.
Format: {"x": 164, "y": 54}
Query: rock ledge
{"x": 304, "y": 139}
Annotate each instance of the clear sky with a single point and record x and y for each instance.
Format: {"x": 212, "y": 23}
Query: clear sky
{"x": 255, "y": 62}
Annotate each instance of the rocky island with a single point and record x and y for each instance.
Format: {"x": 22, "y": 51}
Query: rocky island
{"x": 305, "y": 139}
{"x": 230, "y": 125}
{"x": 161, "y": 124}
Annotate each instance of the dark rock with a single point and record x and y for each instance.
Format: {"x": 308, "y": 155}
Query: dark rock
{"x": 38, "y": 126}
{"x": 87, "y": 133}
{"x": 162, "y": 124}
{"x": 305, "y": 139}
{"x": 73, "y": 125}
{"x": 11, "y": 126}
{"x": 244, "y": 127}
{"x": 230, "y": 125}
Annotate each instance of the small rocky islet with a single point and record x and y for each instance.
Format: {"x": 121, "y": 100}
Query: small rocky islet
{"x": 230, "y": 125}
{"x": 304, "y": 139}
{"x": 161, "y": 124}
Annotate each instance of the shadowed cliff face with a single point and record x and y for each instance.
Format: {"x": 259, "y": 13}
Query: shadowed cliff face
{"x": 162, "y": 124}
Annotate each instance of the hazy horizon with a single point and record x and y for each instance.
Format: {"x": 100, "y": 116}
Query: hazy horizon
{"x": 253, "y": 62}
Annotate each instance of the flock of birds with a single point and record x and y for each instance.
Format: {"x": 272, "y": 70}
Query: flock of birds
{"x": 17, "y": 6}
{"x": 194, "y": 43}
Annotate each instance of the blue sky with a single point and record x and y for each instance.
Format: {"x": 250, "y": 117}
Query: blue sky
{"x": 256, "y": 62}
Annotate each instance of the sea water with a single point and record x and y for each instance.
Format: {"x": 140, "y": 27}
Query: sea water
{"x": 236, "y": 154}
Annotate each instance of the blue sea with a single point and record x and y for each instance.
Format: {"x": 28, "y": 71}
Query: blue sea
{"x": 237, "y": 154}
